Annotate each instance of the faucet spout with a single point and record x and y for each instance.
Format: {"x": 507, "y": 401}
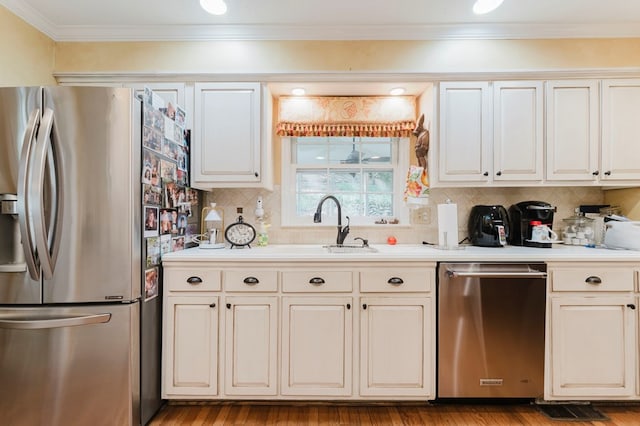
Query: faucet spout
{"x": 317, "y": 218}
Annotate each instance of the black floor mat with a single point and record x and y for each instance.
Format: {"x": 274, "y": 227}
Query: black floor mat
{"x": 577, "y": 412}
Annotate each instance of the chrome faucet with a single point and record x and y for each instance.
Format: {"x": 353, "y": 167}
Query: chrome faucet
{"x": 317, "y": 218}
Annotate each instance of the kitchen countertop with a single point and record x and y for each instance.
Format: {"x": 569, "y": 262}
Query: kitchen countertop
{"x": 404, "y": 252}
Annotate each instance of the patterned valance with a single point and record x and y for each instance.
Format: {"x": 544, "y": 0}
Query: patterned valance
{"x": 391, "y": 116}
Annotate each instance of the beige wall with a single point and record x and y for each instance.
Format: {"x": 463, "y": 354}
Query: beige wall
{"x": 627, "y": 199}
{"x": 347, "y": 56}
{"x": 27, "y": 54}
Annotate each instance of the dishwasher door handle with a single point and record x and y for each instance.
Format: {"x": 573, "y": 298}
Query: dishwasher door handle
{"x": 495, "y": 274}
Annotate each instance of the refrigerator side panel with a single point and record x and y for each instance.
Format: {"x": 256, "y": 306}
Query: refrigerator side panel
{"x": 150, "y": 359}
{"x": 98, "y": 139}
{"x": 67, "y": 366}
{"x": 16, "y": 106}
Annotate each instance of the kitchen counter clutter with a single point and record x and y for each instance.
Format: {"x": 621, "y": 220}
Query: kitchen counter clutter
{"x": 296, "y": 322}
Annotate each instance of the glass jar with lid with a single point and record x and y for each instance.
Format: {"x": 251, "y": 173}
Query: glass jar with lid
{"x": 578, "y": 230}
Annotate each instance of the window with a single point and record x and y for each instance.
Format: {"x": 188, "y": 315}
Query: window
{"x": 366, "y": 174}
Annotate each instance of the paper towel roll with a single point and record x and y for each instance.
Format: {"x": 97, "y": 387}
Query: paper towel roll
{"x": 448, "y": 225}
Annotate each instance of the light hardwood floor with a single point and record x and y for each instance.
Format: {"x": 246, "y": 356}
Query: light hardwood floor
{"x": 260, "y": 413}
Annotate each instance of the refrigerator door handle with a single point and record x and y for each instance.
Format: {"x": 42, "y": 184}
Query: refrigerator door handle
{"x": 24, "y": 185}
{"x": 47, "y": 151}
{"x": 44, "y": 323}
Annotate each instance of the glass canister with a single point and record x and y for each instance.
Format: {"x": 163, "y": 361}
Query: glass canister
{"x": 578, "y": 230}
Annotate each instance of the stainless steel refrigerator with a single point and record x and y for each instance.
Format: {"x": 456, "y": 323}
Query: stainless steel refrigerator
{"x": 78, "y": 344}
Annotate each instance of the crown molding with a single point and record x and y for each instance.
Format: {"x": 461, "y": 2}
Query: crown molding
{"x": 468, "y": 31}
{"x": 331, "y": 77}
{"x": 342, "y": 32}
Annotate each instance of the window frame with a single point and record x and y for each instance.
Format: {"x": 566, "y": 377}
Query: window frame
{"x": 400, "y": 165}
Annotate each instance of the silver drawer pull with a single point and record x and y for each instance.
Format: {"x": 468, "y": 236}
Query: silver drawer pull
{"x": 251, "y": 281}
{"x": 194, "y": 280}
{"x": 316, "y": 281}
{"x": 593, "y": 280}
{"x": 395, "y": 281}
{"x": 496, "y": 274}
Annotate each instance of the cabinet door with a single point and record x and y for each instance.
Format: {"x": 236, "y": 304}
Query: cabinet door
{"x": 317, "y": 340}
{"x": 251, "y": 345}
{"x": 464, "y": 151}
{"x": 573, "y": 130}
{"x": 226, "y": 140}
{"x": 169, "y": 92}
{"x": 593, "y": 347}
{"x": 517, "y": 130}
{"x": 620, "y": 130}
{"x": 397, "y": 347}
{"x": 191, "y": 347}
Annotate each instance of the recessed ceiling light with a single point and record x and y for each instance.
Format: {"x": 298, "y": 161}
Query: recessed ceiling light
{"x": 214, "y": 7}
{"x": 396, "y": 91}
{"x": 298, "y": 91}
{"x": 485, "y": 6}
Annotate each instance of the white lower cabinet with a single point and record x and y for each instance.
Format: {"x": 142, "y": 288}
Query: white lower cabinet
{"x": 396, "y": 346}
{"x": 592, "y": 345}
{"x": 317, "y": 344}
{"x": 251, "y": 330}
{"x": 190, "y": 347}
{"x": 593, "y": 341}
{"x": 314, "y": 330}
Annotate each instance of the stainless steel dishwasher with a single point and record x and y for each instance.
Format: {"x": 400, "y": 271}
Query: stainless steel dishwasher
{"x": 491, "y": 330}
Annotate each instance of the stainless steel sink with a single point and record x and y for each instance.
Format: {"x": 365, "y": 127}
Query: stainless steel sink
{"x": 349, "y": 249}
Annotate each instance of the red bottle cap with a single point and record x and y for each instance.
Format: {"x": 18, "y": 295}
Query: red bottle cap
{"x": 536, "y": 222}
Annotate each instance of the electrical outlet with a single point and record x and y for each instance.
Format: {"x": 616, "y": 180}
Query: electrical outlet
{"x": 422, "y": 216}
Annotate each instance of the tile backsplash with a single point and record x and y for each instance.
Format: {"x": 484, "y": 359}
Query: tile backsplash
{"x": 424, "y": 221}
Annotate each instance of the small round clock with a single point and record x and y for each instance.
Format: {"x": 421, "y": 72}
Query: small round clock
{"x": 240, "y": 234}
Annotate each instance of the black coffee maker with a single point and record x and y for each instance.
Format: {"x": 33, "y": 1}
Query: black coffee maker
{"x": 524, "y": 216}
{"x": 488, "y": 226}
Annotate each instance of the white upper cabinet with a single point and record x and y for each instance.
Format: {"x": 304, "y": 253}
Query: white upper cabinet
{"x": 231, "y": 144}
{"x": 494, "y": 133}
{"x": 464, "y": 150}
{"x": 490, "y": 132}
{"x": 573, "y": 130}
{"x": 620, "y": 157}
{"x": 518, "y": 135}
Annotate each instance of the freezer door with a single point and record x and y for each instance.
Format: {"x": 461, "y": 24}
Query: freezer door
{"x": 70, "y": 366}
{"x": 20, "y": 113}
{"x": 97, "y": 132}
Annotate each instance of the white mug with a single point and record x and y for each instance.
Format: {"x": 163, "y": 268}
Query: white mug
{"x": 542, "y": 233}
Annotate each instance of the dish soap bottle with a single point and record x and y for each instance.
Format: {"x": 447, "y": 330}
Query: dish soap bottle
{"x": 263, "y": 234}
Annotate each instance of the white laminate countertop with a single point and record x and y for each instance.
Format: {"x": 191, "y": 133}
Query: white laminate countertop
{"x": 403, "y": 252}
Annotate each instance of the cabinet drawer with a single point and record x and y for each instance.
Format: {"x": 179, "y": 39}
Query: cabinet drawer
{"x": 317, "y": 281}
{"x": 190, "y": 279}
{"x": 250, "y": 280}
{"x": 592, "y": 279}
{"x": 384, "y": 280}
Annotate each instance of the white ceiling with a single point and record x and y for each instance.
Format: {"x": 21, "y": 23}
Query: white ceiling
{"x": 92, "y": 20}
